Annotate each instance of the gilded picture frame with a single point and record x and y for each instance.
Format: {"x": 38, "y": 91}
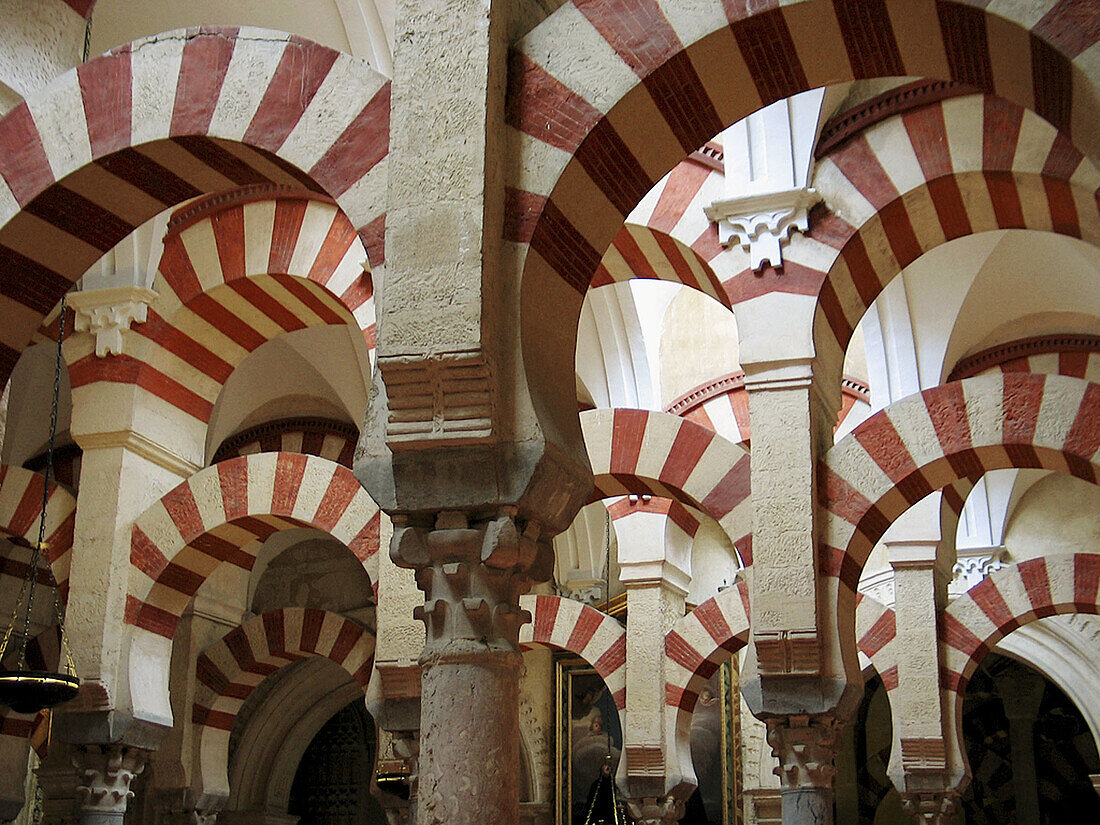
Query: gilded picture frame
{"x": 588, "y": 728}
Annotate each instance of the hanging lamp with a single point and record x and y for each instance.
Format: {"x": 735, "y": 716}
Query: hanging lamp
{"x": 25, "y": 690}
{"x": 604, "y": 805}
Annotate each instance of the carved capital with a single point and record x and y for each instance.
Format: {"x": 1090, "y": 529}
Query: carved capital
{"x": 806, "y": 749}
{"x": 662, "y": 810}
{"x": 107, "y": 313}
{"x": 931, "y": 808}
{"x": 760, "y": 222}
{"x": 106, "y": 772}
{"x": 472, "y": 575}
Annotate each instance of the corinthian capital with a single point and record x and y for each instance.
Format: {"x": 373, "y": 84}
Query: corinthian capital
{"x": 806, "y": 749}
{"x": 472, "y": 574}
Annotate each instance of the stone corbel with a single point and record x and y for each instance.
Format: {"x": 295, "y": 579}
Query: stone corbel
{"x": 761, "y": 222}
{"x": 107, "y": 313}
{"x": 973, "y": 565}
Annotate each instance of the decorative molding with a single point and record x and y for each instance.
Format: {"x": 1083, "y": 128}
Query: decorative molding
{"x": 441, "y": 399}
{"x": 879, "y": 586}
{"x": 710, "y": 155}
{"x": 231, "y": 447}
{"x": 212, "y": 204}
{"x": 107, "y": 313}
{"x": 923, "y": 754}
{"x": 761, "y": 222}
{"x": 986, "y": 359}
{"x": 142, "y": 446}
{"x": 787, "y": 651}
{"x": 645, "y": 760}
{"x": 899, "y": 100}
{"x": 735, "y": 382}
{"x": 400, "y": 680}
{"x": 704, "y": 392}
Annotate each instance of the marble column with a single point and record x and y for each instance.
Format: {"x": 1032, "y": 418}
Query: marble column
{"x": 472, "y": 573}
{"x": 1022, "y": 697}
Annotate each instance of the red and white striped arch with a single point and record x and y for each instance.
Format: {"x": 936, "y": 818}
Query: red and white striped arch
{"x": 876, "y": 629}
{"x": 646, "y": 253}
{"x": 230, "y": 669}
{"x": 661, "y": 77}
{"x": 20, "y": 512}
{"x": 112, "y": 142}
{"x": 700, "y": 642}
{"x": 659, "y": 454}
{"x": 229, "y": 282}
{"x": 1009, "y": 598}
{"x": 569, "y": 625}
{"x": 223, "y": 513}
{"x": 913, "y": 182}
{"x": 933, "y": 439}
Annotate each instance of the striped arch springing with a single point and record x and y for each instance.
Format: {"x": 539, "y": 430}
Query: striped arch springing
{"x": 230, "y": 669}
{"x": 569, "y": 625}
{"x": 700, "y": 642}
{"x": 913, "y": 182}
{"x": 646, "y": 253}
{"x": 935, "y": 438}
{"x": 230, "y": 280}
{"x": 114, "y": 141}
{"x": 20, "y": 511}
{"x": 1011, "y": 597}
{"x": 222, "y": 513}
{"x": 658, "y": 454}
{"x": 876, "y": 629}
{"x": 597, "y": 134}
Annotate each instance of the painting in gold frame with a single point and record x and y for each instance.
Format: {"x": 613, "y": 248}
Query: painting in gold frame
{"x": 588, "y": 729}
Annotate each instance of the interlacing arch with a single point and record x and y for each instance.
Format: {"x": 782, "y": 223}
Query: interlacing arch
{"x": 902, "y": 192}
{"x": 20, "y": 512}
{"x": 700, "y": 642}
{"x": 876, "y": 629}
{"x": 229, "y": 280}
{"x": 222, "y": 513}
{"x": 116, "y": 140}
{"x": 935, "y": 438}
{"x": 1007, "y": 599}
{"x": 664, "y": 455}
{"x": 596, "y": 135}
{"x": 566, "y": 624}
{"x": 230, "y": 669}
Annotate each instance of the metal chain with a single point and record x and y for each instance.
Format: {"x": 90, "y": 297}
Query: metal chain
{"x": 36, "y": 549}
{"x": 87, "y": 37}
